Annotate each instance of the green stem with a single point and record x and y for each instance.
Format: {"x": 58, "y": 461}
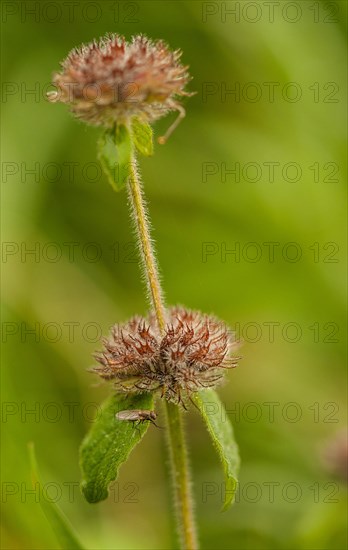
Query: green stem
{"x": 181, "y": 477}
{"x": 145, "y": 245}
{"x": 177, "y": 446}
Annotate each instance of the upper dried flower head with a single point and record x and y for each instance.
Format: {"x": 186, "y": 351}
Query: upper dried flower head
{"x": 112, "y": 80}
{"x": 192, "y": 354}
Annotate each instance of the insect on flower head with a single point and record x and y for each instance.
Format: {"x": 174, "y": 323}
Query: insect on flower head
{"x": 137, "y": 415}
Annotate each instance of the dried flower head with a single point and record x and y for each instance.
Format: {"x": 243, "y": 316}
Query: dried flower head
{"x": 112, "y": 80}
{"x": 192, "y": 354}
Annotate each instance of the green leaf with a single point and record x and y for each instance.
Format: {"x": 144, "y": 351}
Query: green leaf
{"x": 109, "y": 443}
{"x": 59, "y": 523}
{"x": 142, "y": 136}
{"x": 221, "y": 431}
{"x": 115, "y": 155}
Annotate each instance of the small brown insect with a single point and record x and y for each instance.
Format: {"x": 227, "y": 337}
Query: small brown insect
{"x": 138, "y": 415}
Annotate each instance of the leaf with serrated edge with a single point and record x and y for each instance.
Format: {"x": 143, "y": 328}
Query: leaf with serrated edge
{"x": 142, "y": 136}
{"x": 109, "y": 443}
{"x": 115, "y": 155}
{"x": 58, "y": 521}
{"x": 221, "y": 432}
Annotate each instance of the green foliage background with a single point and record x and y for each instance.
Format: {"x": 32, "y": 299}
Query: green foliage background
{"x": 186, "y": 213}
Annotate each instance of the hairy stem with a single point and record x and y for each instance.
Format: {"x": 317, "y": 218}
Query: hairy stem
{"x": 177, "y": 446}
{"x": 146, "y": 247}
{"x": 181, "y": 477}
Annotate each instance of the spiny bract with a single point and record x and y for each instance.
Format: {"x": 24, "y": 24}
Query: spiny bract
{"x": 192, "y": 354}
{"x": 113, "y": 80}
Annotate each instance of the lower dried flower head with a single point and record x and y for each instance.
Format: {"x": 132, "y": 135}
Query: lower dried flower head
{"x": 112, "y": 80}
{"x": 193, "y": 353}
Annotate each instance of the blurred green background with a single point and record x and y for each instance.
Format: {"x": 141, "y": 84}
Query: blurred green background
{"x": 68, "y": 294}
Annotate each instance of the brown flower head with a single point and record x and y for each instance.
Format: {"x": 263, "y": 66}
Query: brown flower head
{"x": 192, "y": 354}
{"x": 112, "y": 80}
